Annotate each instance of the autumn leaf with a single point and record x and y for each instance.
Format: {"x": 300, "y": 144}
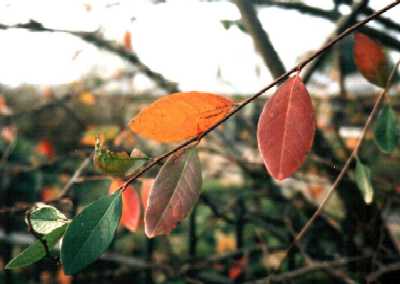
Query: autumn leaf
{"x": 363, "y": 181}
{"x": 105, "y": 133}
{"x": 117, "y": 164}
{"x": 128, "y": 40}
{"x": 147, "y": 185}
{"x": 225, "y": 242}
{"x": 45, "y": 148}
{"x": 286, "y": 129}
{"x": 130, "y": 217}
{"x": 87, "y": 98}
{"x": 174, "y": 193}
{"x": 237, "y": 268}
{"x": 180, "y": 116}
{"x": 371, "y": 60}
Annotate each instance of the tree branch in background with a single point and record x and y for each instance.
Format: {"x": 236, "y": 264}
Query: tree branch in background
{"x": 342, "y": 24}
{"x": 260, "y": 38}
{"x": 97, "y": 39}
{"x": 387, "y": 40}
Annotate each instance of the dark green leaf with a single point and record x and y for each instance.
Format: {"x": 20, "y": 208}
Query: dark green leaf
{"x": 36, "y": 251}
{"x": 90, "y": 233}
{"x": 363, "y": 180}
{"x": 386, "y": 132}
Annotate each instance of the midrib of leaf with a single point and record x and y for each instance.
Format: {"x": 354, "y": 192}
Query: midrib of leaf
{"x": 90, "y": 235}
{"x": 175, "y": 192}
{"x": 285, "y": 127}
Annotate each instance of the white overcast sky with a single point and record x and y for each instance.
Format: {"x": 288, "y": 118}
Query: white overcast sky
{"x": 182, "y": 39}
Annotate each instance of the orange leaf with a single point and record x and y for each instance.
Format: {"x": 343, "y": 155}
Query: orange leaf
{"x": 180, "y": 116}
{"x": 225, "y": 242}
{"x": 49, "y": 193}
{"x": 87, "y": 98}
{"x": 371, "y": 60}
{"x": 128, "y": 40}
{"x": 130, "y": 218}
{"x": 286, "y": 129}
{"x": 62, "y": 278}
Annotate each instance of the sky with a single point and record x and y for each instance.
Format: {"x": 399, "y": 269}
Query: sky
{"x": 182, "y": 39}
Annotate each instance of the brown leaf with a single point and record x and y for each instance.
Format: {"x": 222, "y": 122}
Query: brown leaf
{"x": 174, "y": 193}
{"x": 286, "y": 129}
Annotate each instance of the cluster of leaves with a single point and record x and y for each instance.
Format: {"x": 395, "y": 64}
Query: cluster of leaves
{"x": 285, "y": 134}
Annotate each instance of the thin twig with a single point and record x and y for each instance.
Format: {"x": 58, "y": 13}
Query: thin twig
{"x": 320, "y": 265}
{"x": 85, "y": 163}
{"x": 372, "y": 277}
{"x": 245, "y": 102}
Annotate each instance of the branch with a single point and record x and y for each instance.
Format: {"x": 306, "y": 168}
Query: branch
{"x": 387, "y": 40}
{"x": 320, "y": 265}
{"x": 260, "y": 38}
{"x": 372, "y": 277}
{"x": 247, "y": 101}
{"x": 342, "y": 24}
{"x": 97, "y": 39}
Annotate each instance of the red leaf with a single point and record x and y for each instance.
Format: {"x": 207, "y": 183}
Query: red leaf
{"x": 237, "y": 268}
{"x": 286, "y": 129}
{"x": 174, "y": 193}
{"x": 45, "y": 148}
{"x": 130, "y": 218}
{"x": 371, "y": 60}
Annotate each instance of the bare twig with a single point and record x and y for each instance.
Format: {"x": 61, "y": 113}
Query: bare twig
{"x": 387, "y": 40}
{"x": 98, "y": 40}
{"x": 342, "y": 23}
{"x": 372, "y": 277}
{"x": 320, "y": 265}
{"x": 260, "y": 37}
{"x": 85, "y": 163}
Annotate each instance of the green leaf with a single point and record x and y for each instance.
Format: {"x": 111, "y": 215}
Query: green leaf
{"x": 36, "y": 251}
{"x": 174, "y": 193}
{"x": 363, "y": 181}
{"x": 386, "y": 132}
{"x": 116, "y": 163}
{"x": 90, "y": 233}
{"x": 44, "y": 219}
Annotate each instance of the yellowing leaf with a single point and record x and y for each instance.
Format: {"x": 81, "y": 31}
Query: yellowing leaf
{"x": 115, "y": 163}
{"x": 87, "y": 98}
{"x": 180, "y": 116}
{"x": 225, "y": 242}
{"x": 363, "y": 181}
{"x": 106, "y": 133}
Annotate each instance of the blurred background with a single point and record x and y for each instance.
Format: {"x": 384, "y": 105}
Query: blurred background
{"x": 71, "y": 70}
